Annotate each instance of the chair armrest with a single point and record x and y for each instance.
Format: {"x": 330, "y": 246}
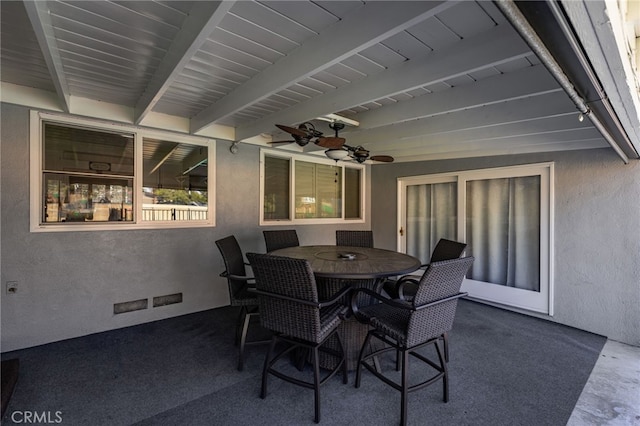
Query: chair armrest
{"x": 391, "y": 302}
{"x": 241, "y": 278}
{"x": 236, "y": 277}
{"x": 318, "y": 305}
{"x": 439, "y": 301}
{"x": 402, "y": 282}
{"x": 402, "y": 304}
{"x": 336, "y": 297}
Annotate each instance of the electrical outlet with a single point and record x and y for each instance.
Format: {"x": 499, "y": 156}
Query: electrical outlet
{"x": 12, "y": 287}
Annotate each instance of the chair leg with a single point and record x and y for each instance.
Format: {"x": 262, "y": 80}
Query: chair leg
{"x": 243, "y": 340}
{"x": 239, "y": 322}
{"x": 445, "y": 370}
{"x": 405, "y": 387}
{"x": 358, "y": 367}
{"x": 316, "y": 384}
{"x": 265, "y": 369}
{"x": 345, "y": 371}
{"x": 445, "y": 343}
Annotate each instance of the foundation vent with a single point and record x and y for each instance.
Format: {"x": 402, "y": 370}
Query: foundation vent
{"x": 134, "y": 305}
{"x": 169, "y": 299}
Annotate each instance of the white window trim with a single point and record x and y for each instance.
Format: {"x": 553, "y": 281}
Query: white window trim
{"x": 310, "y": 159}
{"x": 35, "y": 174}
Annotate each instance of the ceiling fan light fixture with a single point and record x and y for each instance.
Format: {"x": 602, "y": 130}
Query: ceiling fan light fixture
{"x": 336, "y": 154}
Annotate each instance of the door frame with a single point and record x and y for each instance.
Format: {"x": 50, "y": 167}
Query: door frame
{"x": 493, "y": 293}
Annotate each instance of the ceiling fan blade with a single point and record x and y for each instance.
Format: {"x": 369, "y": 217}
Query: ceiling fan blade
{"x": 292, "y": 130}
{"x": 382, "y": 158}
{"x": 280, "y": 142}
{"x": 330, "y": 142}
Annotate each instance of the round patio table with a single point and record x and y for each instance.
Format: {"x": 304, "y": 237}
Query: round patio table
{"x": 337, "y": 266}
{"x": 352, "y": 262}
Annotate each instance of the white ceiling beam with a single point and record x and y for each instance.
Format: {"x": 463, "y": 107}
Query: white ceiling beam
{"x": 519, "y": 110}
{"x": 203, "y": 18}
{"x": 503, "y": 150}
{"x": 518, "y": 141}
{"x": 372, "y": 23}
{"x": 498, "y": 45}
{"x": 499, "y": 88}
{"x": 556, "y": 128}
{"x": 43, "y": 28}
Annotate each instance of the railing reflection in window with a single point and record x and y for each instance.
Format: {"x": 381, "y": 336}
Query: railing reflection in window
{"x": 164, "y": 212}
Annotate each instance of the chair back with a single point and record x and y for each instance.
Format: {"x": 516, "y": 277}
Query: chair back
{"x": 287, "y": 296}
{"x": 447, "y": 249}
{"x": 354, "y": 238}
{"x": 441, "y": 280}
{"x": 234, "y": 265}
{"x": 284, "y": 238}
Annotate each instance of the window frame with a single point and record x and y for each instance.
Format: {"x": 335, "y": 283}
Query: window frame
{"x": 36, "y": 156}
{"x": 293, "y": 157}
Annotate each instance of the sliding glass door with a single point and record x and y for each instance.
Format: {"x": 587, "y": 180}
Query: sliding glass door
{"x": 504, "y": 216}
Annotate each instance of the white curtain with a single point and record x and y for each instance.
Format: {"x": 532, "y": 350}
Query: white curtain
{"x": 503, "y": 231}
{"x": 431, "y": 215}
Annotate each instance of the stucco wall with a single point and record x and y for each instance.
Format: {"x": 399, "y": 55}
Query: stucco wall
{"x": 68, "y": 282}
{"x": 597, "y": 233}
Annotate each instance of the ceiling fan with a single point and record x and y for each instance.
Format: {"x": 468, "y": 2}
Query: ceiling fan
{"x": 361, "y": 155}
{"x": 357, "y": 153}
{"x": 306, "y": 132}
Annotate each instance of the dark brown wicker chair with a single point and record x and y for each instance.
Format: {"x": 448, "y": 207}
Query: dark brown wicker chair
{"x": 239, "y": 292}
{"x": 405, "y": 287}
{"x": 284, "y": 238}
{"x": 290, "y": 307}
{"x": 354, "y": 238}
{"x": 406, "y": 326}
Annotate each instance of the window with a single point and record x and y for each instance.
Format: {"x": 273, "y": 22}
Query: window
{"x": 504, "y": 215}
{"x": 100, "y": 176}
{"x": 352, "y": 193}
{"x": 302, "y": 189}
{"x": 175, "y": 177}
{"x": 276, "y": 188}
{"x": 88, "y": 175}
{"x": 318, "y": 190}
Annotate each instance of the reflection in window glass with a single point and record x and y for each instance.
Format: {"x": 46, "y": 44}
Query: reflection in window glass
{"x": 175, "y": 181}
{"x": 318, "y": 190}
{"x": 88, "y": 175}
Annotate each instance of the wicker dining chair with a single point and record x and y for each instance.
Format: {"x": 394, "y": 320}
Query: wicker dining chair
{"x": 281, "y": 238}
{"x": 405, "y": 287}
{"x": 354, "y": 238}
{"x": 405, "y": 326}
{"x": 290, "y": 308}
{"x": 240, "y": 286}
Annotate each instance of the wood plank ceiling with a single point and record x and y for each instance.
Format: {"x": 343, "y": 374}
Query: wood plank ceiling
{"x": 425, "y": 79}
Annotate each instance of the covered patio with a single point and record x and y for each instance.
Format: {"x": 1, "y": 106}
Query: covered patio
{"x": 112, "y": 111}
